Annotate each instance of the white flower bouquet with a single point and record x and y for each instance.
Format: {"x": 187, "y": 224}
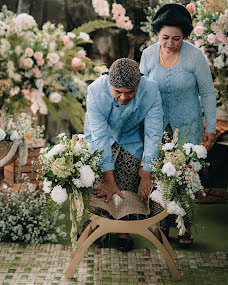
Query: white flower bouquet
{"x": 177, "y": 180}
{"x": 69, "y": 170}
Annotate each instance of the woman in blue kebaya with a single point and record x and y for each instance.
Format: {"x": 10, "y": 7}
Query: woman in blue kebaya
{"x": 182, "y": 73}
{"x": 118, "y": 105}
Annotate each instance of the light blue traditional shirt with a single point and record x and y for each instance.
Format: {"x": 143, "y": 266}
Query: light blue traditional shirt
{"x": 180, "y": 86}
{"x": 107, "y": 121}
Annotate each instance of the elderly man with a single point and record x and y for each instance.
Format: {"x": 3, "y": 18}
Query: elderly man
{"x": 119, "y": 105}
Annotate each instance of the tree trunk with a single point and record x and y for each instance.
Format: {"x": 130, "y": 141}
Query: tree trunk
{"x": 19, "y": 6}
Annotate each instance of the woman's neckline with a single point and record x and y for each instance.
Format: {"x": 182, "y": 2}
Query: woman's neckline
{"x": 180, "y": 57}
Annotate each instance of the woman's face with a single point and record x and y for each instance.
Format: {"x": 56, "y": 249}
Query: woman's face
{"x": 123, "y": 95}
{"x": 170, "y": 38}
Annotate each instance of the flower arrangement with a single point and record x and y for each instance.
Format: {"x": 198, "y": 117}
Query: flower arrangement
{"x": 177, "y": 180}
{"x": 69, "y": 169}
{"x": 118, "y": 13}
{"x": 21, "y": 132}
{"x": 38, "y": 65}
{"x": 210, "y": 21}
{"x": 27, "y": 216}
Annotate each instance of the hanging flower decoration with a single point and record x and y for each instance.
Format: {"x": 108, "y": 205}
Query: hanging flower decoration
{"x": 38, "y": 63}
{"x": 69, "y": 169}
{"x": 177, "y": 180}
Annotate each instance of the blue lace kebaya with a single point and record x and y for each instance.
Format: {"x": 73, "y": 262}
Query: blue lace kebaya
{"x": 180, "y": 87}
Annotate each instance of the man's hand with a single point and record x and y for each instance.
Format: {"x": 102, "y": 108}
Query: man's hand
{"x": 146, "y": 185}
{"x": 208, "y": 140}
{"x": 108, "y": 188}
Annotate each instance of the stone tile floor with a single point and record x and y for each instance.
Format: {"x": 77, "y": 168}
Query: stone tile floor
{"x": 46, "y": 263}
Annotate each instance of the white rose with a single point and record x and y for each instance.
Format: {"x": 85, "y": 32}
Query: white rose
{"x": 200, "y": 150}
{"x": 14, "y": 136}
{"x": 53, "y": 57}
{"x": 55, "y": 97}
{"x": 84, "y": 36}
{"x": 61, "y": 135}
{"x": 187, "y": 147}
{"x": 168, "y": 146}
{"x": 2, "y": 134}
{"x": 219, "y": 62}
{"x": 169, "y": 169}
{"x": 71, "y": 35}
{"x": 59, "y": 194}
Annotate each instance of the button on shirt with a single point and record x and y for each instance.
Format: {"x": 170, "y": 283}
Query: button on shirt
{"x": 107, "y": 121}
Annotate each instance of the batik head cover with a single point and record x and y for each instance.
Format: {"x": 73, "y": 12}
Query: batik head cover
{"x": 124, "y": 72}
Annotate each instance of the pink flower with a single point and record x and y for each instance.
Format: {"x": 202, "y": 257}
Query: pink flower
{"x": 117, "y": 10}
{"x": 28, "y": 94}
{"x": 211, "y": 38}
{"x": 65, "y": 39}
{"x": 221, "y": 37}
{"x": 200, "y": 24}
{"x": 213, "y": 26}
{"x": 191, "y": 8}
{"x": 124, "y": 23}
{"x": 40, "y": 62}
{"x": 101, "y": 7}
{"x": 38, "y": 55}
{"x": 28, "y": 62}
{"x": 37, "y": 73}
{"x": 198, "y": 43}
{"x": 29, "y": 52}
{"x": 76, "y": 62}
{"x": 198, "y": 30}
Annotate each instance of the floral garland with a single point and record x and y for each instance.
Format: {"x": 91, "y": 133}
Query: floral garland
{"x": 69, "y": 169}
{"x": 177, "y": 180}
{"x": 13, "y": 149}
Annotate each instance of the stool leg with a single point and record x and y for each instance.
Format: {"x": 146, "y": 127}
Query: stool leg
{"x": 86, "y": 244}
{"x": 172, "y": 267}
{"x": 167, "y": 245}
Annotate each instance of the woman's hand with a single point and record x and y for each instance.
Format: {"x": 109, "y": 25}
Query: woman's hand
{"x": 109, "y": 188}
{"x": 208, "y": 140}
{"x": 146, "y": 185}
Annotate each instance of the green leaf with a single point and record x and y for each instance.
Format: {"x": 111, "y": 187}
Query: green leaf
{"x": 74, "y": 110}
{"x": 92, "y": 26}
{"x": 51, "y": 109}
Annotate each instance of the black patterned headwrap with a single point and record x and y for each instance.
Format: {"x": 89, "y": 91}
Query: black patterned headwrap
{"x": 124, "y": 72}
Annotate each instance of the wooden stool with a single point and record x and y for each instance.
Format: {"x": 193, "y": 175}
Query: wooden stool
{"x": 100, "y": 226}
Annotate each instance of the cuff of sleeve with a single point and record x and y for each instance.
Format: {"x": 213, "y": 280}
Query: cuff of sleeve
{"x": 107, "y": 166}
{"x": 146, "y": 167}
{"x": 210, "y": 130}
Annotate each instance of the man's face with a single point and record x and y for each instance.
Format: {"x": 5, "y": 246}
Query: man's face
{"x": 123, "y": 95}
